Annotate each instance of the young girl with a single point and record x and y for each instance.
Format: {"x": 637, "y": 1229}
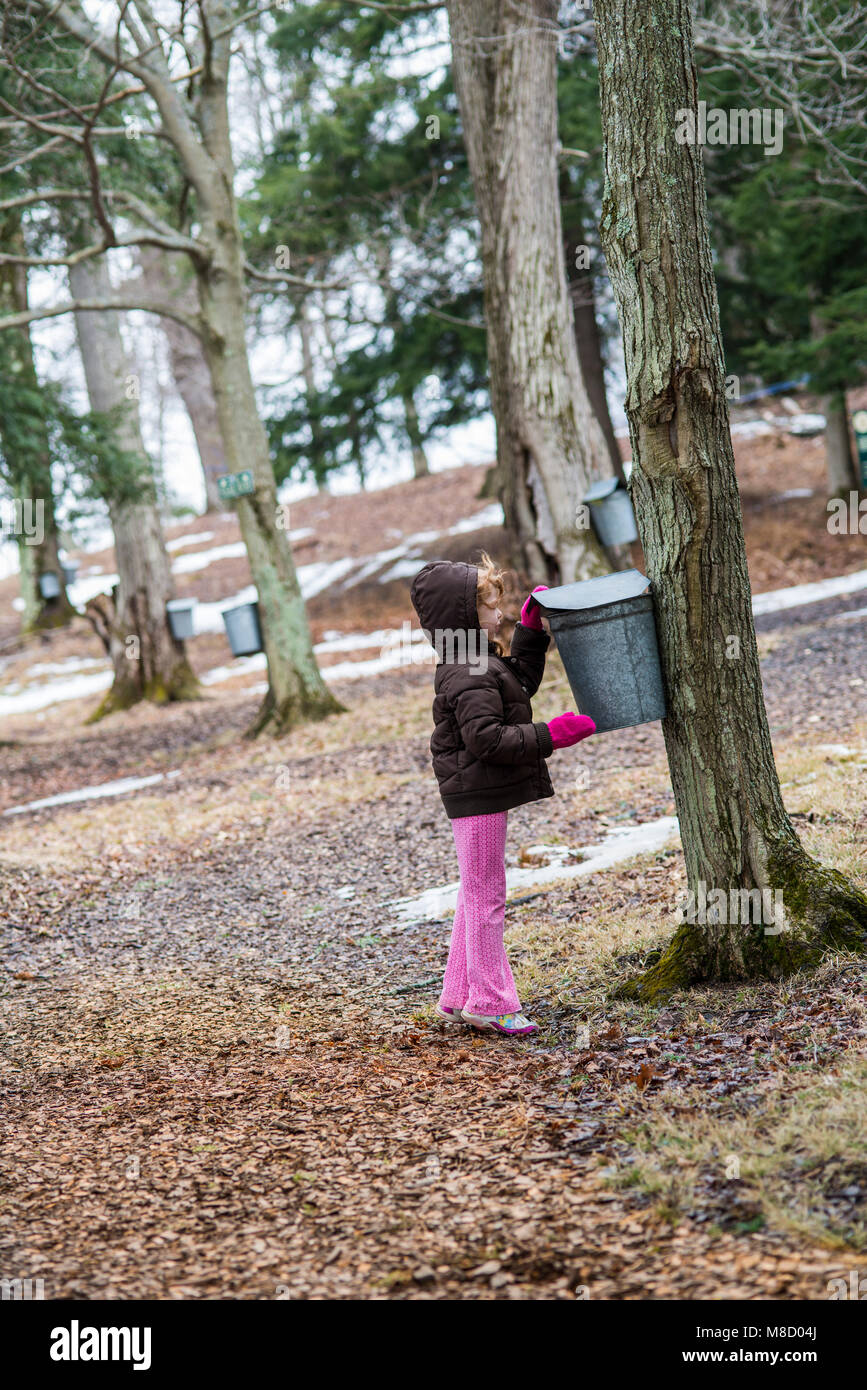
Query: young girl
{"x": 488, "y": 756}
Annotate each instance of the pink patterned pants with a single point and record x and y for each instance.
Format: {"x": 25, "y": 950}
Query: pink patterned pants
{"x": 478, "y": 977}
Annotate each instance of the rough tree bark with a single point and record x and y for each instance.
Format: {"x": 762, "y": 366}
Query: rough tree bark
{"x": 296, "y": 690}
{"x": 190, "y": 373}
{"x": 549, "y": 444}
{"x": 588, "y": 340}
{"x": 735, "y": 831}
{"x": 29, "y": 471}
{"x": 148, "y": 662}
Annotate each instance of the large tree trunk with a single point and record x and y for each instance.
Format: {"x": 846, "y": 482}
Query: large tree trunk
{"x": 189, "y": 369}
{"x": 735, "y": 831}
{"x": 549, "y": 444}
{"x": 149, "y": 663}
{"x": 27, "y": 450}
{"x": 588, "y": 339}
{"x": 296, "y": 690}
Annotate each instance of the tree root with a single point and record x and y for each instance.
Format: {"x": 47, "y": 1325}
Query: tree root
{"x": 823, "y": 912}
{"x": 124, "y": 693}
{"x": 276, "y": 719}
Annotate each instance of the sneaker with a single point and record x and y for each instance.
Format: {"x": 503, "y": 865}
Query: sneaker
{"x": 513, "y": 1025}
{"x": 448, "y": 1015}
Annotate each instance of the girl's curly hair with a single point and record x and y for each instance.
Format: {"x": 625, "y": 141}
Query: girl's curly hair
{"x": 490, "y": 588}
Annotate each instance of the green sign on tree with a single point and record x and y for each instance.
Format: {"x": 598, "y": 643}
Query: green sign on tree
{"x": 235, "y": 484}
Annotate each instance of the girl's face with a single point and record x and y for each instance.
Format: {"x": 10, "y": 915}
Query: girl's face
{"x": 489, "y": 613}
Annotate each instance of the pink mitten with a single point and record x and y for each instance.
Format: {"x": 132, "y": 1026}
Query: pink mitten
{"x": 570, "y": 728}
{"x": 530, "y": 615}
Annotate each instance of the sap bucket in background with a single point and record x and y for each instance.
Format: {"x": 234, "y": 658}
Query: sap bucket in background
{"x": 180, "y": 614}
{"x": 606, "y": 636}
{"x": 611, "y": 512}
{"x": 49, "y": 585}
{"x": 243, "y": 629}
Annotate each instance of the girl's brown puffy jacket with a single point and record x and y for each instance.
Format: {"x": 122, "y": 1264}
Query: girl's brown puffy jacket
{"x": 488, "y": 755}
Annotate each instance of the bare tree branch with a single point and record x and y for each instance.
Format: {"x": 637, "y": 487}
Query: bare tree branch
{"x": 273, "y": 277}
{"x": 169, "y": 311}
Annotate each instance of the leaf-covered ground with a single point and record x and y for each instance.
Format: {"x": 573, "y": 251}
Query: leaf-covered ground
{"x": 223, "y": 1076}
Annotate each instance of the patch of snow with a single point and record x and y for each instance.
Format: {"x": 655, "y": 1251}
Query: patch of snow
{"x": 376, "y": 562}
{"x": 841, "y": 750}
{"x": 188, "y": 564}
{"x": 778, "y": 599}
{"x": 750, "y": 429}
{"x": 388, "y": 660}
{"x": 63, "y": 668}
{"x": 404, "y": 569}
{"x": 795, "y": 492}
{"x": 406, "y": 559}
{"x": 322, "y": 574}
{"x": 239, "y": 667}
{"x": 87, "y": 587}
{"x": 855, "y": 613}
{"x": 355, "y": 641}
{"x": 117, "y": 788}
{"x": 489, "y": 516}
{"x": 806, "y": 425}
{"x": 194, "y": 538}
{"x": 37, "y": 697}
{"x": 622, "y": 843}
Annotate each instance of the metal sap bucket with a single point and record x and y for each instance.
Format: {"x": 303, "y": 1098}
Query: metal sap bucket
{"x": 49, "y": 585}
{"x": 611, "y": 512}
{"x": 180, "y": 615}
{"x": 70, "y": 571}
{"x": 606, "y": 636}
{"x": 243, "y": 629}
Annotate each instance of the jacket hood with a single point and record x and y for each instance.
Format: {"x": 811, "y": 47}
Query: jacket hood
{"x": 444, "y": 597}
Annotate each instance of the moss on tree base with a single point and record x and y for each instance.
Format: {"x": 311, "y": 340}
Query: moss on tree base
{"x": 50, "y": 616}
{"x": 279, "y": 718}
{"x": 181, "y": 685}
{"x": 823, "y": 912}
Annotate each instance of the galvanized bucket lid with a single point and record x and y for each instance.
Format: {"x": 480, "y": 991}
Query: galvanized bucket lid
{"x": 594, "y": 593}
{"x": 601, "y": 489}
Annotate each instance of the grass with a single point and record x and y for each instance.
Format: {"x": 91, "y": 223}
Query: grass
{"x": 788, "y": 1162}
